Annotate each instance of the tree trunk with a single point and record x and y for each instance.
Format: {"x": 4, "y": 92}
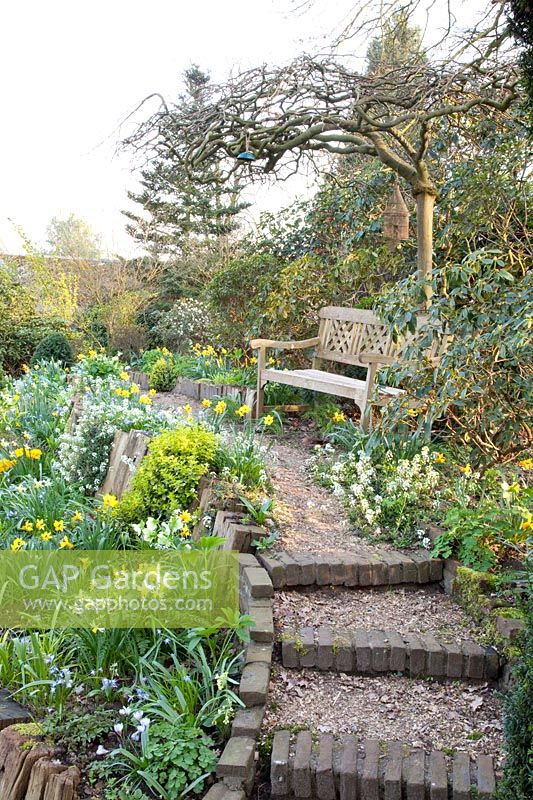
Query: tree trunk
{"x": 425, "y": 202}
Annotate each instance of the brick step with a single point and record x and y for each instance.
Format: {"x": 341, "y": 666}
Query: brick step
{"x": 307, "y": 766}
{"x": 350, "y": 569}
{"x": 377, "y": 651}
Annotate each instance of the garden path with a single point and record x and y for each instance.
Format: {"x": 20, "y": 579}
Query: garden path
{"x": 422, "y": 713}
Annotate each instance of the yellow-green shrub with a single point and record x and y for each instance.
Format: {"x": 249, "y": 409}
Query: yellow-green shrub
{"x": 168, "y": 476}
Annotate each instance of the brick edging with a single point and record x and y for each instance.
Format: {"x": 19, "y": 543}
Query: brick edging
{"x": 326, "y": 768}
{"x": 375, "y": 651}
{"x": 236, "y": 767}
{"x": 288, "y": 570}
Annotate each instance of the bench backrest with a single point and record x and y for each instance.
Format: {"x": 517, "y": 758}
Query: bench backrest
{"x": 346, "y": 333}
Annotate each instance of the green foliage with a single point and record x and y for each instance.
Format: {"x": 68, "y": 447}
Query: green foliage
{"x": 168, "y": 476}
{"x": 483, "y": 534}
{"x": 231, "y": 295}
{"x": 163, "y": 375}
{"x": 517, "y": 781}
{"x": 80, "y": 729}
{"x": 54, "y": 347}
{"x": 482, "y": 387}
{"x": 172, "y": 759}
{"x": 21, "y": 328}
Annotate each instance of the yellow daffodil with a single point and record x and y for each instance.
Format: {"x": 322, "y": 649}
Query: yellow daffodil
{"x": 466, "y": 470}
{"x": 253, "y": 360}
{"x": 28, "y": 526}
{"x": 185, "y": 516}
{"x": 124, "y": 375}
{"x": 152, "y": 392}
{"x": 92, "y": 353}
{"x": 65, "y": 544}
{"x": 6, "y": 464}
{"x": 35, "y": 453}
{"x": 206, "y": 403}
{"x": 77, "y": 517}
{"x": 134, "y": 389}
{"x": 17, "y": 544}
{"x": 97, "y": 630}
{"x": 243, "y": 410}
{"x": 338, "y": 416}
{"x": 527, "y": 522}
{"x": 118, "y": 392}
{"x": 268, "y": 420}
{"x": 220, "y": 407}
{"x": 109, "y": 501}
{"x": 439, "y": 458}
{"x": 25, "y": 368}
{"x": 271, "y": 361}
{"x": 526, "y": 463}
{"x": 187, "y": 408}
{"x": 59, "y": 525}
{"x": 185, "y": 531}
{"x": 80, "y": 356}
{"x": 145, "y": 400}
{"x": 19, "y": 452}
{"x": 46, "y": 536}
{"x": 40, "y": 524}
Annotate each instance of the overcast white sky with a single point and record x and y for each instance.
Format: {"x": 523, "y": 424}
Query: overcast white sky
{"x": 72, "y": 71}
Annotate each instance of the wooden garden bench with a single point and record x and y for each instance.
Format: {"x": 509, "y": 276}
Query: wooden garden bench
{"x": 347, "y": 336}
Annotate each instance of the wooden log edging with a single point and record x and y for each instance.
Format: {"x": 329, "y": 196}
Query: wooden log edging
{"x": 291, "y": 570}
{"x": 29, "y": 769}
{"x": 374, "y": 652}
{"x": 326, "y": 768}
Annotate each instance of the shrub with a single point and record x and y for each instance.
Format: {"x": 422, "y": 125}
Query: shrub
{"x": 186, "y": 323}
{"x": 163, "y": 375}
{"x": 482, "y": 388}
{"x": 168, "y": 476}
{"x": 54, "y": 347}
{"x": 517, "y": 779}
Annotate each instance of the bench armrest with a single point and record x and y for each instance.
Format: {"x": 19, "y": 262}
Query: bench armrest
{"x": 257, "y": 344}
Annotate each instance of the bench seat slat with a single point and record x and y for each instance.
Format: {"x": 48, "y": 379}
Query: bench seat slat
{"x": 328, "y": 382}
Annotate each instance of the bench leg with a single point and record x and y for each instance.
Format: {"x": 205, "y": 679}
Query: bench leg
{"x": 260, "y": 394}
{"x": 366, "y": 417}
{"x": 259, "y": 400}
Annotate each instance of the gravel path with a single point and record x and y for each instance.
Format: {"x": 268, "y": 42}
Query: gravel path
{"x": 310, "y": 518}
{"x": 406, "y": 611}
{"x": 420, "y": 713}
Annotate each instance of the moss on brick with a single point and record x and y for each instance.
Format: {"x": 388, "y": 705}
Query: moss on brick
{"x": 472, "y": 589}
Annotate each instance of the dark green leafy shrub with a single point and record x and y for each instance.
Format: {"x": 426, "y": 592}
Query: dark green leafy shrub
{"x": 482, "y": 389}
{"x": 517, "y": 781}
{"x": 54, "y": 347}
{"x": 163, "y": 375}
{"x": 168, "y": 476}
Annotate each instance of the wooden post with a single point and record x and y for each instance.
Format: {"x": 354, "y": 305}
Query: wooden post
{"x": 425, "y": 202}
{"x": 260, "y": 399}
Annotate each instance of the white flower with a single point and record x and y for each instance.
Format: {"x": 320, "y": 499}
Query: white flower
{"x": 101, "y": 751}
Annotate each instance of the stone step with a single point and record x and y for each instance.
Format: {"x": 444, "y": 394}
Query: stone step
{"x": 308, "y": 766}
{"x": 291, "y": 570}
{"x": 376, "y": 651}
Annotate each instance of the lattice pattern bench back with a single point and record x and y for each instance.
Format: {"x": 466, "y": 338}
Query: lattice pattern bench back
{"x": 346, "y": 333}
